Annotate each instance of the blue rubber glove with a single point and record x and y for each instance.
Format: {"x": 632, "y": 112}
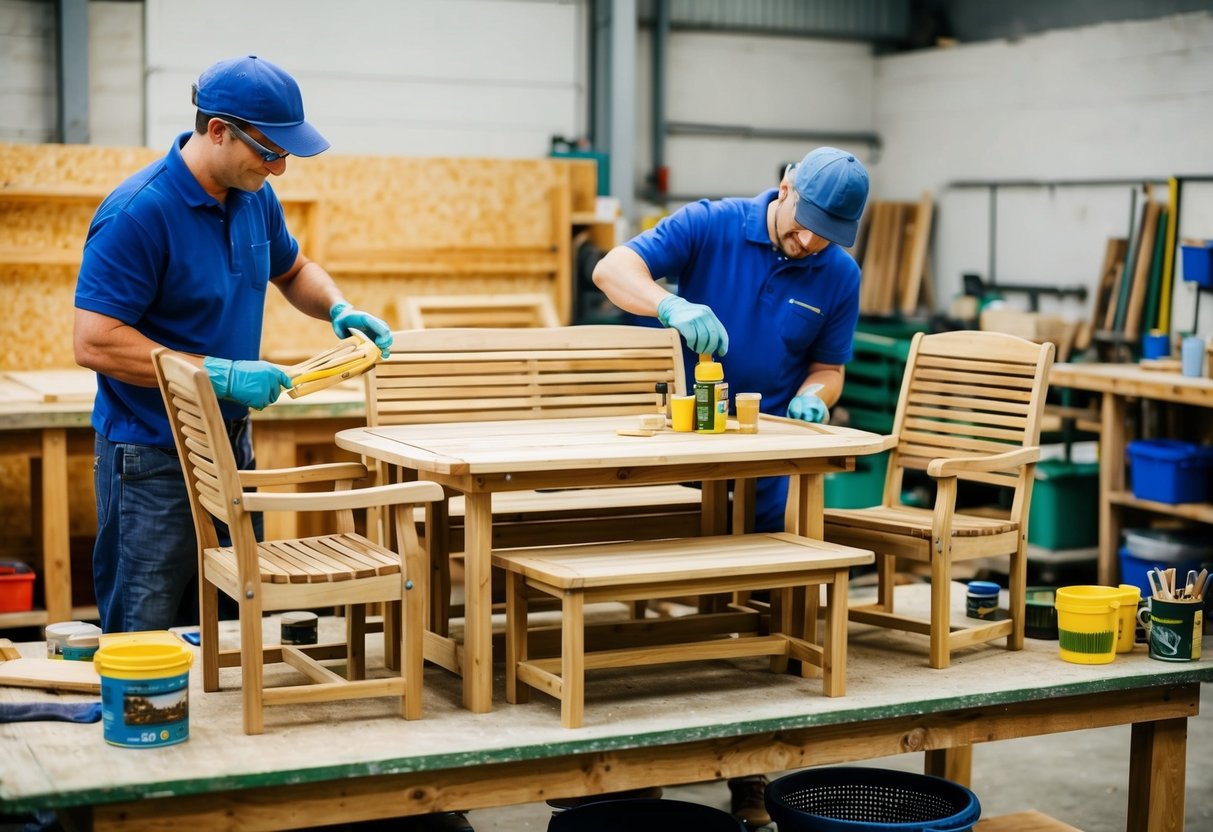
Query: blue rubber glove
{"x": 254, "y": 384}
{"x": 696, "y": 323}
{"x": 807, "y": 408}
{"x": 346, "y": 317}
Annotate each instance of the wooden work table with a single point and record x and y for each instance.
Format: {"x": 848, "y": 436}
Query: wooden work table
{"x": 352, "y": 760}
{"x": 52, "y": 423}
{"x": 1118, "y": 383}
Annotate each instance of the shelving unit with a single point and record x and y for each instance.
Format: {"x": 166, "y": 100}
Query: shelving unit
{"x": 1118, "y": 383}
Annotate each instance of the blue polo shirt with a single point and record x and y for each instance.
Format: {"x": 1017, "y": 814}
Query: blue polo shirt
{"x": 165, "y": 257}
{"x": 781, "y": 314}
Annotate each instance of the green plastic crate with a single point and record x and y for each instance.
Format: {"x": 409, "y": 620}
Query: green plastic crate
{"x": 860, "y": 488}
{"x": 1065, "y": 505}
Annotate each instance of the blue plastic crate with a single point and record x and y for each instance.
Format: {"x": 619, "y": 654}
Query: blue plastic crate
{"x": 1198, "y": 262}
{"x": 1169, "y": 470}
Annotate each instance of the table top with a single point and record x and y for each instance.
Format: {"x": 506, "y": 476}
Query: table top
{"x": 457, "y": 448}
{"x": 55, "y": 763}
{"x": 1133, "y": 380}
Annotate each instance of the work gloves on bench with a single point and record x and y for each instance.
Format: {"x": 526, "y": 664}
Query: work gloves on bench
{"x": 345, "y": 317}
{"x": 696, "y": 323}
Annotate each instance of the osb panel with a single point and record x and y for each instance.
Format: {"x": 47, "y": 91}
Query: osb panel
{"x": 17, "y": 517}
{"x": 36, "y": 329}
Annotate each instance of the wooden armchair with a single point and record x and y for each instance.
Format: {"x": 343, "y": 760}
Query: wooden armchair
{"x": 330, "y": 570}
{"x": 970, "y": 409}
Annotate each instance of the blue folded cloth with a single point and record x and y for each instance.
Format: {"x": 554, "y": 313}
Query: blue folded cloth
{"x": 50, "y": 711}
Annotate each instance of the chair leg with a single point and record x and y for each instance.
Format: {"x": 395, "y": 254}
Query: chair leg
{"x": 208, "y": 628}
{"x": 941, "y": 607}
{"x": 886, "y": 580}
{"x": 355, "y": 641}
{"x": 572, "y": 660}
{"x": 515, "y": 637}
{"x": 392, "y": 634}
{"x": 252, "y": 665}
{"x": 410, "y": 641}
{"x": 1019, "y": 593}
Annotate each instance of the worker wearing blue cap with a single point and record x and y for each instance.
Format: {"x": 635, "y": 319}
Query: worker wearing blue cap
{"x": 180, "y": 255}
{"x": 765, "y": 284}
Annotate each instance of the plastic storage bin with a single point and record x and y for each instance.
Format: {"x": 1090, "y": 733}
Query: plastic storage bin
{"x": 16, "y": 586}
{"x": 1169, "y": 470}
{"x": 1146, "y": 549}
{"x": 851, "y": 798}
{"x": 1065, "y": 505}
{"x": 1198, "y": 262}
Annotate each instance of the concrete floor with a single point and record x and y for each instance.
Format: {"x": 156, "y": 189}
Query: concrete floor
{"x": 1080, "y": 778}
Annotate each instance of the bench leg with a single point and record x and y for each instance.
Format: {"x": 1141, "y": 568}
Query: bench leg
{"x": 782, "y": 609}
{"x": 834, "y": 642}
{"x": 515, "y": 637}
{"x": 809, "y": 609}
{"x": 572, "y": 659}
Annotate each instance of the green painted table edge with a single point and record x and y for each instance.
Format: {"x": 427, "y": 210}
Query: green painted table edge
{"x": 1173, "y": 675}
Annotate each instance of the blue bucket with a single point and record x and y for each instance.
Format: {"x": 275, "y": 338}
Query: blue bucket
{"x": 862, "y": 799}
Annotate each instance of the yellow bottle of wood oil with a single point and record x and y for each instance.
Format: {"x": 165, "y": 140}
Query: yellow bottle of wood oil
{"x": 711, "y": 396}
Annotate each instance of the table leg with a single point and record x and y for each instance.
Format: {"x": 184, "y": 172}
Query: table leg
{"x": 478, "y": 603}
{"x": 56, "y": 541}
{"x": 1157, "y": 760}
{"x": 1111, "y": 478}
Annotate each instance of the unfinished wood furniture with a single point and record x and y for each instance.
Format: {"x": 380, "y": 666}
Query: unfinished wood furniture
{"x": 529, "y": 309}
{"x": 330, "y": 570}
{"x": 970, "y": 410}
{"x": 476, "y": 375}
{"x": 580, "y": 575}
{"x": 1118, "y": 385}
{"x": 356, "y": 761}
{"x": 482, "y": 459}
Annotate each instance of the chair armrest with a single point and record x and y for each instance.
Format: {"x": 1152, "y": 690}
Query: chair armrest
{"x": 330, "y": 472}
{"x": 993, "y": 462}
{"x": 399, "y": 493}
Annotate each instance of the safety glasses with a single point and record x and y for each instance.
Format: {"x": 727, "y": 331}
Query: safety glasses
{"x": 268, "y": 156}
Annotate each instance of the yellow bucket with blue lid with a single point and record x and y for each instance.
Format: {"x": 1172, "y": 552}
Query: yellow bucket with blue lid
{"x": 144, "y": 689}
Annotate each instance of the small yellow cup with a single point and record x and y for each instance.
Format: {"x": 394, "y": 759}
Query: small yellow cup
{"x": 747, "y": 411}
{"x": 1126, "y": 621}
{"x": 682, "y": 412}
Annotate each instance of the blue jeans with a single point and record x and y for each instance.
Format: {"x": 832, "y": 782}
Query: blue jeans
{"x": 146, "y": 556}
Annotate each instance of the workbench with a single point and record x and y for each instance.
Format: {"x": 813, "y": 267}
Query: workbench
{"x": 671, "y": 724}
{"x": 1118, "y": 383}
{"x": 52, "y": 431}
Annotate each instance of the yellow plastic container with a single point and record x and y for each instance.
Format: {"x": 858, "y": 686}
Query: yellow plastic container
{"x": 144, "y": 689}
{"x": 1088, "y": 623}
{"x": 1126, "y": 617}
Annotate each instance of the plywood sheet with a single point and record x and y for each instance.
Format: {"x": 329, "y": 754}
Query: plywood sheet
{"x": 50, "y": 674}
{"x": 57, "y": 385}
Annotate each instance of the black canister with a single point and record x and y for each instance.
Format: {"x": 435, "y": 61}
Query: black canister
{"x": 299, "y": 627}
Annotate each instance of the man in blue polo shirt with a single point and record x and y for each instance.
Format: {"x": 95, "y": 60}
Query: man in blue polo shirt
{"x": 762, "y": 282}
{"x": 765, "y": 284}
{"x": 180, "y": 255}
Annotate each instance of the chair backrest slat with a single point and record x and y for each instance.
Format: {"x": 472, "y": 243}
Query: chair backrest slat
{"x": 968, "y": 394}
{"x": 447, "y": 375}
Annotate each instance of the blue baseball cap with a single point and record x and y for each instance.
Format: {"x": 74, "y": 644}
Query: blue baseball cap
{"x": 256, "y": 91}
{"x": 833, "y": 188}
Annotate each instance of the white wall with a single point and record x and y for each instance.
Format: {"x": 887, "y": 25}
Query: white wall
{"x": 759, "y": 81}
{"x": 1132, "y": 100}
{"x": 418, "y": 78}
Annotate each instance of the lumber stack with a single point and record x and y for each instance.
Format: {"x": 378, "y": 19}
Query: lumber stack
{"x": 892, "y": 252}
{"x": 1127, "y": 299}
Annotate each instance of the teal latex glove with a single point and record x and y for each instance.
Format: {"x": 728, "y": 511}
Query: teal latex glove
{"x": 255, "y": 384}
{"x": 807, "y": 408}
{"x": 696, "y": 323}
{"x": 346, "y": 317}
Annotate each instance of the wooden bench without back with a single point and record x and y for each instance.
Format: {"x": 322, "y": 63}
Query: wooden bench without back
{"x": 483, "y": 374}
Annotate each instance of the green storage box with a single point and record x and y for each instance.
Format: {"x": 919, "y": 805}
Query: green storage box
{"x": 860, "y": 488}
{"x": 1065, "y": 505}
